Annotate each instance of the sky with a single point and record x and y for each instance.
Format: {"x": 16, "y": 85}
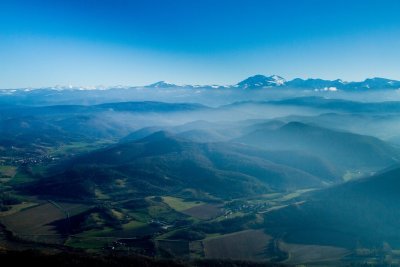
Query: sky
{"x": 137, "y": 42}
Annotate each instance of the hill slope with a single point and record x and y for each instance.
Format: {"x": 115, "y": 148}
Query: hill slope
{"x": 161, "y": 164}
{"x": 365, "y": 212}
{"x": 346, "y": 151}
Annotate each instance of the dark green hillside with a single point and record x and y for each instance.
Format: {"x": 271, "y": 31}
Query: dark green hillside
{"x": 203, "y": 136}
{"x": 30, "y": 126}
{"x": 305, "y": 161}
{"x": 140, "y": 134}
{"x": 342, "y": 149}
{"x": 201, "y": 131}
{"x": 79, "y": 259}
{"x": 24, "y": 131}
{"x": 161, "y": 163}
{"x": 365, "y": 212}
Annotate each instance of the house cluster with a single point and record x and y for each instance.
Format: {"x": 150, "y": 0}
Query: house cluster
{"x": 162, "y": 224}
{"x": 245, "y": 207}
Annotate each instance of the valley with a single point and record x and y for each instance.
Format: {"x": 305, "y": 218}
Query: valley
{"x": 254, "y": 189}
{"x": 257, "y": 133}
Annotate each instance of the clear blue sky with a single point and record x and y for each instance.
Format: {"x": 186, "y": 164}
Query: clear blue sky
{"x": 133, "y": 42}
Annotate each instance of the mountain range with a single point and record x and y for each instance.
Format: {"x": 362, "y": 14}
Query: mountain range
{"x": 274, "y": 81}
{"x": 254, "y": 82}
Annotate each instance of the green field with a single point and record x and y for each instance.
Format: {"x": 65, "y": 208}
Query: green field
{"x": 180, "y": 204}
{"x": 77, "y": 147}
{"x": 94, "y": 239}
{"x": 7, "y": 171}
{"x": 89, "y": 243}
{"x": 21, "y": 177}
{"x": 290, "y": 196}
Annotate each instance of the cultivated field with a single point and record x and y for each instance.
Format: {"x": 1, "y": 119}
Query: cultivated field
{"x": 7, "y": 171}
{"x": 244, "y": 245}
{"x": 17, "y": 208}
{"x": 300, "y": 254}
{"x": 204, "y": 212}
{"x": 38, "y": 222}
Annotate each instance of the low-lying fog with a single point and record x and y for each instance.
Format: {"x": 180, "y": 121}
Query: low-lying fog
{"x": 353, "y": 111}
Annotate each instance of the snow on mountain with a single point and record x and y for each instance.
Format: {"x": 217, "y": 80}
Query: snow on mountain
{"x": 261, "y": 81}
{"x": 253, "y": 82}
{"x": 162, "y": 84}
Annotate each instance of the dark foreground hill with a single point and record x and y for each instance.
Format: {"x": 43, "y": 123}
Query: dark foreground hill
{"x": 165, "y": 164}
{"x": 365, "y": 212}
{"x": 33, "y": 258}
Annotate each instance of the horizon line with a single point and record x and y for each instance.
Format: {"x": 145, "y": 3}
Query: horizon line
{"x": 104, "y": 87}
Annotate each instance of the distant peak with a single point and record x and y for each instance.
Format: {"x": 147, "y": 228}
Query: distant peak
{"x": 261, "y": 81}
{"x": 162, "y": 84}
{"x": 378, "y": 82}
{"x": 276, "y": 77}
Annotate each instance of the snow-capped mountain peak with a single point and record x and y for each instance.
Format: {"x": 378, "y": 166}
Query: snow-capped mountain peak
{"x": 278, "y": 79}
{"x": 253, "y": 82}
{"x": 261, "y": 81}
{"x": 162, "y": 84}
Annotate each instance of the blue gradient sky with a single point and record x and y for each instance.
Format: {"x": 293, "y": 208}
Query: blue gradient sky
{"x": 132, "y": 42}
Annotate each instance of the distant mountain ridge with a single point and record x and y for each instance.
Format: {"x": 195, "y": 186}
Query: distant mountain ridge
{"x": 253, "y": 82}
{"x": 274, "y": 81}
{"x": 261, "y": 81}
